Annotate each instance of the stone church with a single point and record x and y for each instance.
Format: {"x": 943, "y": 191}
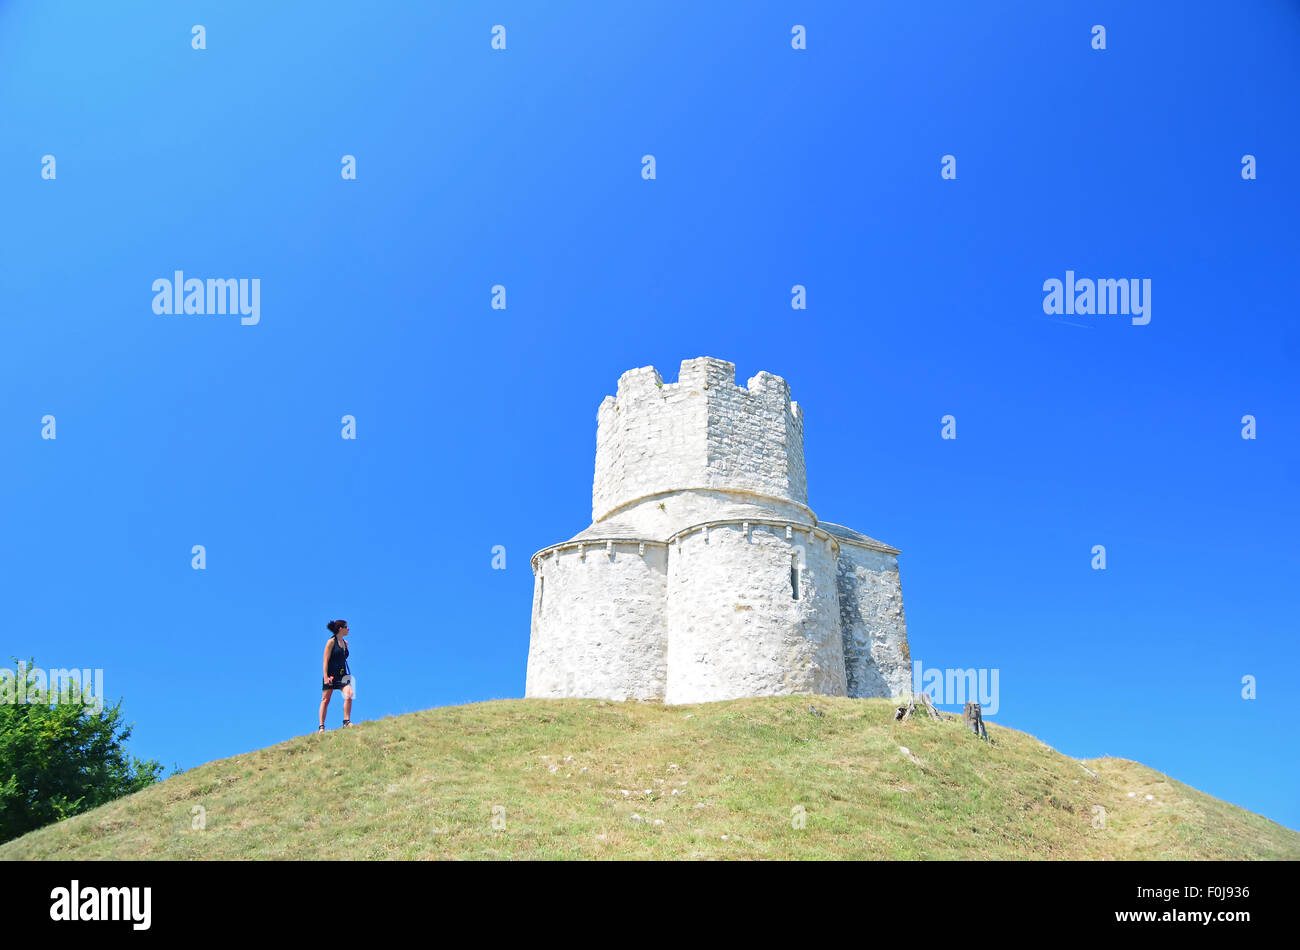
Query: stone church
{"x": 704, "y": 574}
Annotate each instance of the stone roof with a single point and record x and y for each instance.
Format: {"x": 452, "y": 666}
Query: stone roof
{"x": 614, "y": 529}
{"x": 854, "y": 537}
{"x": 751, "y": 512}
{"x": 622, "y": 531}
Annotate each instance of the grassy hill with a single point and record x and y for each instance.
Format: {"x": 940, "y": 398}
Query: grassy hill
{"x": 588, "y": 779}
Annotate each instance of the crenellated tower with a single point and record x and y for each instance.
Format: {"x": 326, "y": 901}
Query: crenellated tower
{"x": 701, "y": 432}
{"x": 704, "y": 574}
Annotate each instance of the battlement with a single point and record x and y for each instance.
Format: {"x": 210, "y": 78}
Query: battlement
{"x": 704, "y": 575}
{"x": 703, "y": 431}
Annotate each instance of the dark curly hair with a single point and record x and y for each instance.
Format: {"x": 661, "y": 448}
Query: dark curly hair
{"x": 334, "y": 625}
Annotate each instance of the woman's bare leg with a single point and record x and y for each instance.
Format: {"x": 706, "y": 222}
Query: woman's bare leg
{"x": 324, "y": 704}
{"x": 347, "y": 703}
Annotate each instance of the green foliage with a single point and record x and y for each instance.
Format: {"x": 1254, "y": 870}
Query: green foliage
{"x": 60, "y": 760}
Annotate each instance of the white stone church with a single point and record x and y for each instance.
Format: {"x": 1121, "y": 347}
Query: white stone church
{"x": 704, "y": 574}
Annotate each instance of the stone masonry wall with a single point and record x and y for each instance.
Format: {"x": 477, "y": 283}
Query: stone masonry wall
{"x": 649, "y": 438}
{"x": 598, "y": 624}
{"x": 734, "y": 628}
{"x": 876, "y": 657}
{"x": 755, "y": 439}
{"x": 702, "y": 431}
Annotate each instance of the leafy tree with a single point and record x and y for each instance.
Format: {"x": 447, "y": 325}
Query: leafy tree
{"x": 60, "y": 759}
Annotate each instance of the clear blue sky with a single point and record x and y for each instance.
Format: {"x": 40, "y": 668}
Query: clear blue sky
{"x": 476, "y": 427}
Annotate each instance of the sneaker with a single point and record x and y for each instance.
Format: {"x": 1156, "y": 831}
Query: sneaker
{"x": 322, "y": 727}
{"x": 347, "y": 722}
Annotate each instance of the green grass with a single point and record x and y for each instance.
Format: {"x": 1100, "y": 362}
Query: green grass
{"x": 724, "y": 779}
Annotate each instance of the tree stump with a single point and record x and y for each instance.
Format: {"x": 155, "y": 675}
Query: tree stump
{"x": 974, "y": 720}
{"x": 904, "y": 713}
{"x": 929, "y": 708}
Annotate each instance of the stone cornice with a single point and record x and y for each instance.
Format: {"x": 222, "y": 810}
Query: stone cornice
{"x": 707, "y": 488}
{"x": 643, "y": 543}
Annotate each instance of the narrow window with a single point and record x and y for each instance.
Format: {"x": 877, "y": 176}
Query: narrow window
{"x": 794, "y": 577}
{"x": 541, "y": 590}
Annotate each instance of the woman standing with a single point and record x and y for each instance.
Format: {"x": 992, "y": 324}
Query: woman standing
{"x": 337, "y": 674}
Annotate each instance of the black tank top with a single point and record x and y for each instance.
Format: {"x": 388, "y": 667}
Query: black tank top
{"x": 339, "y": 658}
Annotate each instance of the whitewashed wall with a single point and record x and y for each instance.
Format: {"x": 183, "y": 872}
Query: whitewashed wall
{"x": 598, "y": 624}
{"x": 733, "y": 627}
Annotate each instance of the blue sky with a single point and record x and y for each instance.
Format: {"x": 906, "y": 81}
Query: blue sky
{"x": 476, "y": 427}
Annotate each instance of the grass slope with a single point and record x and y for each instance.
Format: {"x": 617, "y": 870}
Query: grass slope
{"x": 588, "y": 779}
